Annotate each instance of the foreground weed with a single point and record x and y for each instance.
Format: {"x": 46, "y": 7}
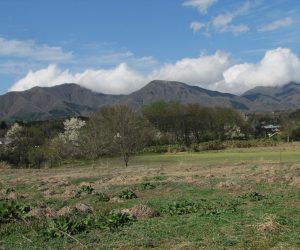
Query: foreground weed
{"x": 127, "y": 194}
{"x": 102, "y": 197}
{"x": 11, "y": 210}
{"x": 84, "y": 190}
{"x": 147, "y": 185}
{"x": 64, "y": 226}
{"x": 253, "y": 196}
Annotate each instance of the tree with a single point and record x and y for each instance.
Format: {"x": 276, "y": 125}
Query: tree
{"x": 3, "y": 125}
{"x": 117, "y": 130}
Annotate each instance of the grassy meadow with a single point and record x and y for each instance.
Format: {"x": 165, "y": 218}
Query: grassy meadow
{"x": 230, "y": 199}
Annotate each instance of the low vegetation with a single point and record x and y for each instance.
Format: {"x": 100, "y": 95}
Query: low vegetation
{"x": 235, "y": 198}
{"x": 201, "y": 178}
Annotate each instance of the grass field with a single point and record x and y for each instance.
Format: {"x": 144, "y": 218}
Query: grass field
{"x": 232, "y": 199}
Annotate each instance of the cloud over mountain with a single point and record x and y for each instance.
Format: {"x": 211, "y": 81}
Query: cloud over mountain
{"x": 217, "y": 71}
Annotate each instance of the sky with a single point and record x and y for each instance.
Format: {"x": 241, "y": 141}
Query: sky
{"x": 118, "y": 46}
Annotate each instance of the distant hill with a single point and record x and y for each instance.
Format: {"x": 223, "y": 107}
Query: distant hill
{"x": 286, "y": 97}
{"x": 177, "y": 91}
{"x": 40, "y": 103}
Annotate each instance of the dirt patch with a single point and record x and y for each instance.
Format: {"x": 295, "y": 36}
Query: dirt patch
{"x": 70, "y": 192}
{"x": 295, "y": 181}
{"x": 43, "y": 212}
{"x": 141, "y": 212}
{"x": 78, "y": 208}
{"x": 228, "y": 185}
{"x": 6, "y": 194}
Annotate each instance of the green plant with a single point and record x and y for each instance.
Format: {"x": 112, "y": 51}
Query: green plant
{"x": 180, "y": 208}
{"x": 253, "y": 196}
{"x": 86, "y": 189}
{"x": 102, "y": 197}
{"x": 147, "y": 185}
{"x": 127, "y": 194}
{"x": 114, "y": 220}
{"x": 63, "y": 226}
{"x": 11, "y": 210}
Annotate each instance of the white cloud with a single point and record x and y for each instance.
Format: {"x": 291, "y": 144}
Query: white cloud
{"x": 241, "y": 28}
{"x": 277, "y": 24}
{"x": 118, "y": 80}
{"x": 201, "y": 5}
{"x": 196, "y": 26}
{"x": 31, "y": 49}
{"x": 202, "y": 71}
{"x": 277, "y": 67}
{"x": 223, "y": 22}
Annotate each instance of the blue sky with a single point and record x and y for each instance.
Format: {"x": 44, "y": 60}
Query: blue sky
{"x": 117, "y": 46}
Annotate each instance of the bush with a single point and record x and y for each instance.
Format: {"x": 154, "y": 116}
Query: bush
{"x": 37, "y": 157}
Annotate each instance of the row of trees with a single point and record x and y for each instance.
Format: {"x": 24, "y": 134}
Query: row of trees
{"x": 120, "y": 130}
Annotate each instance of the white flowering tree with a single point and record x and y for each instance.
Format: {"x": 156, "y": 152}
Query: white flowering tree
{"x": 13, "y": 134}
{"x": 72, "y": 130}
{"x": 67, "y": 143}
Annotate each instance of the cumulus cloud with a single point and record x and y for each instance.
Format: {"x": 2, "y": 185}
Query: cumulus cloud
{"x": 202, "y": 71}
{"x": 277, "y": 24}
{"x": 196, "y": 26}
{"x": 118, "y": 80}
{"x": 277, "y": 67}
{"x": 201, "y": 5}
{"x": 30, "y": 49}
{"x": 218, "y": 71}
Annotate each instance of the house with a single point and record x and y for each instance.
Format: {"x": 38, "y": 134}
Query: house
{"x": 271, "y": 130}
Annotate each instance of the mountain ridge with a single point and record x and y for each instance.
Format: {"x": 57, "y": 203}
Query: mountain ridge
{"x": 70, "y": 99}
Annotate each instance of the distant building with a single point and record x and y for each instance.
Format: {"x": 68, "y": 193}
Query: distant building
{"x": 271, "y": 130}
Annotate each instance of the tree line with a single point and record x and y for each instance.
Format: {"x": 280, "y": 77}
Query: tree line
{"x": 119, "y": 130}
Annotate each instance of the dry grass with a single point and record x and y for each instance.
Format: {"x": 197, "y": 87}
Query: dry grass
{"x": 268, "y": 225}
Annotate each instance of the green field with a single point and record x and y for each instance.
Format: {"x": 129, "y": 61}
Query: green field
{"x": 232, "y": 199}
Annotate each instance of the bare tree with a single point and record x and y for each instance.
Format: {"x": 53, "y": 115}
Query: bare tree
{"x": 117, "y": 130}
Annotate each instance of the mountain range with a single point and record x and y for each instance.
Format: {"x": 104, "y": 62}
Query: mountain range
{"x": 40, "y": 103}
